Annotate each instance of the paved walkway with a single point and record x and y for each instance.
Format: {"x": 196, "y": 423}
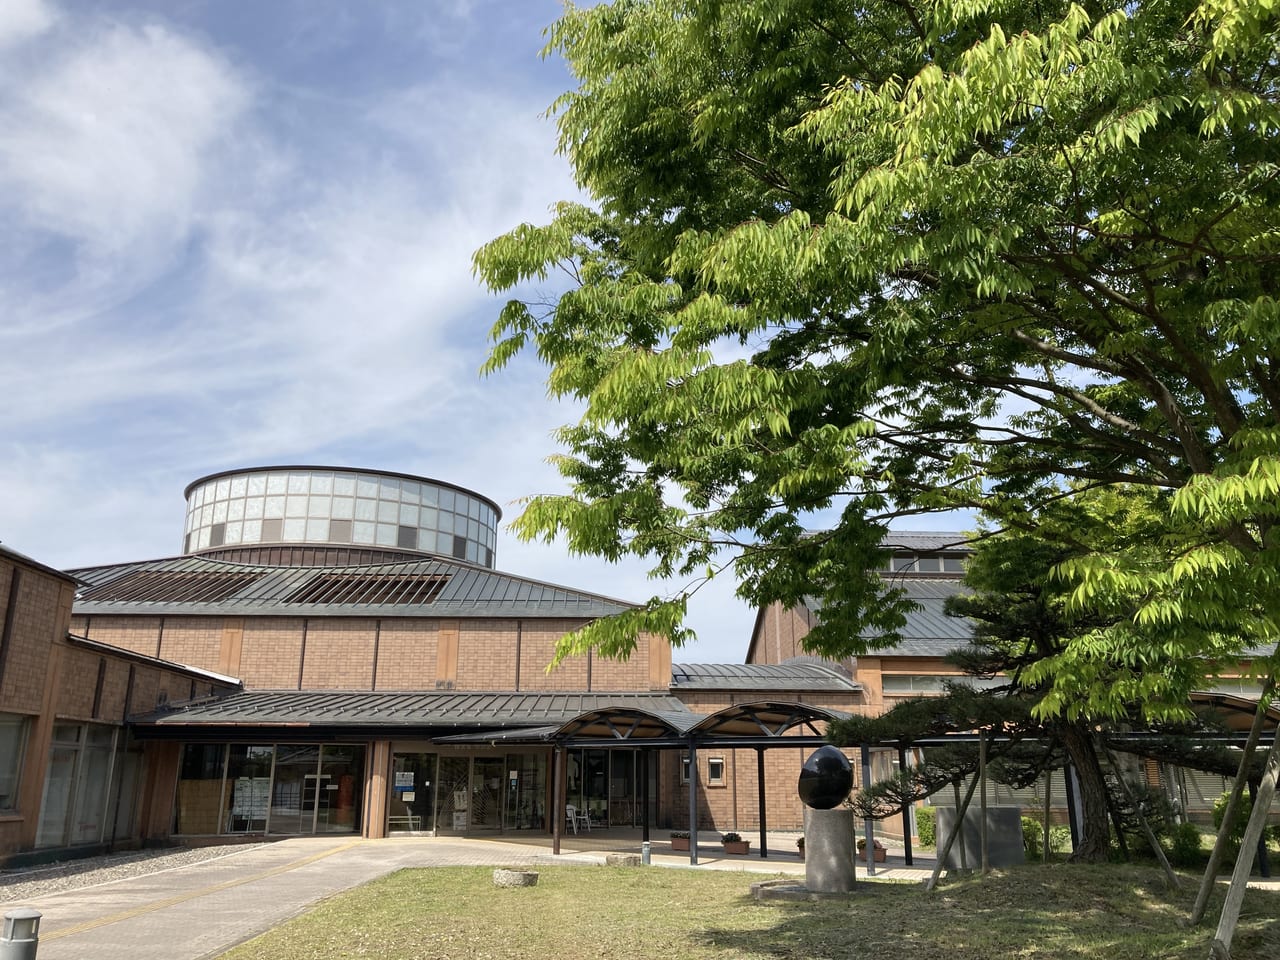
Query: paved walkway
{"x": 200, "y": 910}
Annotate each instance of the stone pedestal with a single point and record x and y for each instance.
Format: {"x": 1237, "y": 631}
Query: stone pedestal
{"x": 828, "y": 850}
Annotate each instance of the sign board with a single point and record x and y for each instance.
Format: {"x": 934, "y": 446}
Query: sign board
{"x": 404, "y": 779}
{"x": 460, "y": 820}
{"x": 250, "y": 797}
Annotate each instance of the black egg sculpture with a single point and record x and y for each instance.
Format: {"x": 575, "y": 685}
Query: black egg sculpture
{"x": 825, "y": 779}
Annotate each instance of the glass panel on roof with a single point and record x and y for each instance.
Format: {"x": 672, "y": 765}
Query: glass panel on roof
{"x": 238, "y": 486}
{"x": 233, "y": 532}
{"x": 446, "y": 499}
{"x": 386, "y": 534}
{"x": 362, "y": 532}
{"x": 252, "y": 531}
{"x": 408, "y": 515}
{"x": 295, "y": 528}
{"x": 343, "y": 508}
{"x": 299, "y": 482}
{"x": 367, "y": 486}
{"x": 295, "y": 506}
{"x": 389, "y": 489}
{"x": 366, "y": 509}
{"x": 277, "y": 483}
{"x": 428, "y": 518}
{"x": 223, "y": 490}
{"x": 253, "y": 508}
{"x": 410, "y": 491}
{"x": 318, "y": 529}
{"x": 430, "y": 495}
{"x": 219, "y": 511}
{"x": 344, "y": 485}
{"x": 257, "y": 485}
{"x": 388, "y": 511}
{"x": 274, "y": 507}
{"x": 322, "y": 483}
{"x": 235, "y": 509}
{"x": 318, "y": 506}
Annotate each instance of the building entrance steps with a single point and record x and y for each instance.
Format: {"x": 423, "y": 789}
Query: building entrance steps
{"x": 197, "y": 911}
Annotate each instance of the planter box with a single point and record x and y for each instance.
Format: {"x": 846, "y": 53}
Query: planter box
{"x": 679, "y": 843}
{"x": 878, "y": 851}
{"x": 740, "y": 847}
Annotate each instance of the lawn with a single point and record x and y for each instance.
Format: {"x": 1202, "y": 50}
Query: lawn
{"x": 1061, "y": 910}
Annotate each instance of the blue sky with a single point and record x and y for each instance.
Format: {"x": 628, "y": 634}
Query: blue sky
{"x": 238, "y": 233}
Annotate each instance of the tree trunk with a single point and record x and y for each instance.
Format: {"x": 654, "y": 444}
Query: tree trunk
{"x": 1093, "y": 794}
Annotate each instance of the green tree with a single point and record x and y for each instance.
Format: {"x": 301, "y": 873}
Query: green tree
{"x": 894, "y": 257}
{"x": 890, "y": 258}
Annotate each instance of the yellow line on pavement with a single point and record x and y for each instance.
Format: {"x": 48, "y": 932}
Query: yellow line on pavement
{"x": 203, "y": 892}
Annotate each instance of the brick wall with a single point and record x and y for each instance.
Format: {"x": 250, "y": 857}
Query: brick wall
{"x": 339, "y": 654}
{"x": 779, "y": 635}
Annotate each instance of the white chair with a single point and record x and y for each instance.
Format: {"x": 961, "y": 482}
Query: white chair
{"x": 571, "y": 816}
{"x": 584, "y": 816}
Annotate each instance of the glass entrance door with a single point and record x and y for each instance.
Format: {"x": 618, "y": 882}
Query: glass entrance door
{"x": 294, "y": 790}
{"x": 487, "y": 792}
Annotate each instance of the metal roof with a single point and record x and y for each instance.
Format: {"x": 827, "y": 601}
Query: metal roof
{"x": 793, "y": 675}
{"x": 926, "y": 541}
{"x": 928, "y": 631}
{"x": 427, "y": 586}
{"x": 361, "y": 709}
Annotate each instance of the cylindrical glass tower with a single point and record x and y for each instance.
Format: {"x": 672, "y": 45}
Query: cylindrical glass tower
{"x": 354, "y": 514}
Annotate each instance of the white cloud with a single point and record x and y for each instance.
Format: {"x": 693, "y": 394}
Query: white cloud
{"x": 23, "y": 19}
{"x": 106, "y": 146}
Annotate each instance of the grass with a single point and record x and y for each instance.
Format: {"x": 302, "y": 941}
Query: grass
{"x": 1118, "y": 912}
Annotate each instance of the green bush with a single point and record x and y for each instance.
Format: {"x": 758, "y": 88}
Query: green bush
{"x": 1236, "y": 833}
{"x": 926, "y": 826}
{"x": 1032, "y": 836}
{"x": 1060, "y": 839}
{"x": 1184, "y": 848}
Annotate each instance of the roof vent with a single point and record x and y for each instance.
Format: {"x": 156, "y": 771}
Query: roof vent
{"x": 173, "y": 586}
{"x": 366, "y": 589}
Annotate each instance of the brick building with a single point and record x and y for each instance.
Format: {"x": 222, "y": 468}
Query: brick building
{"x": 334, "y": 651}
{"x": 70, "y": 775}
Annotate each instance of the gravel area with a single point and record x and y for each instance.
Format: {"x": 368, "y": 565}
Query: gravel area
{"x": 30, "y": 883}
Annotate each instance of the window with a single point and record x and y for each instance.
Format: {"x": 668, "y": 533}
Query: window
{"x": 715, "y": 772}
{"x": 684, "y": 768}
{"x": 13, "y": 740}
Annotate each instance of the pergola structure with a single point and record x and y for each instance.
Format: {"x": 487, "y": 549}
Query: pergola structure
{"x": 757, "y": 725}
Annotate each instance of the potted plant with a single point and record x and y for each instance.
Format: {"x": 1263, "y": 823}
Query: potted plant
{"x": 800, "y": 846}
{"x": 733, "y": 843}
{"x": 878, "y": 851}
{"x": 679, "y": 839}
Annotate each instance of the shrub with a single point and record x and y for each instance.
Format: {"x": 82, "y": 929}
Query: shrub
{"x": 1032, "y": 835}
{"x": 1184, "y": 846}
{"x": 1236, "y": 833}
{"x": 926, "y": 826}
{"x": 731, "y": 838}
{"x": 1059, "y": 839}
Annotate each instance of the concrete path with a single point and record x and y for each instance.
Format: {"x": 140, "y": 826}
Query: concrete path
{"x": 201, "y": 910}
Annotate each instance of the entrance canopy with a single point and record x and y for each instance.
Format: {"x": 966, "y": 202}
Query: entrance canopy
{"x": 758, "y": 724}
{"x": 559, "y": 719}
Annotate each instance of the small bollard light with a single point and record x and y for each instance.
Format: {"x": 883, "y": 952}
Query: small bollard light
{"x": 644, "y": 853}
{"x": 21, "y": 934}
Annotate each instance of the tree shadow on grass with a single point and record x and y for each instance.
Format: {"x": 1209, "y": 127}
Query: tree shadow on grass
{"x": 1116, "y": 912}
